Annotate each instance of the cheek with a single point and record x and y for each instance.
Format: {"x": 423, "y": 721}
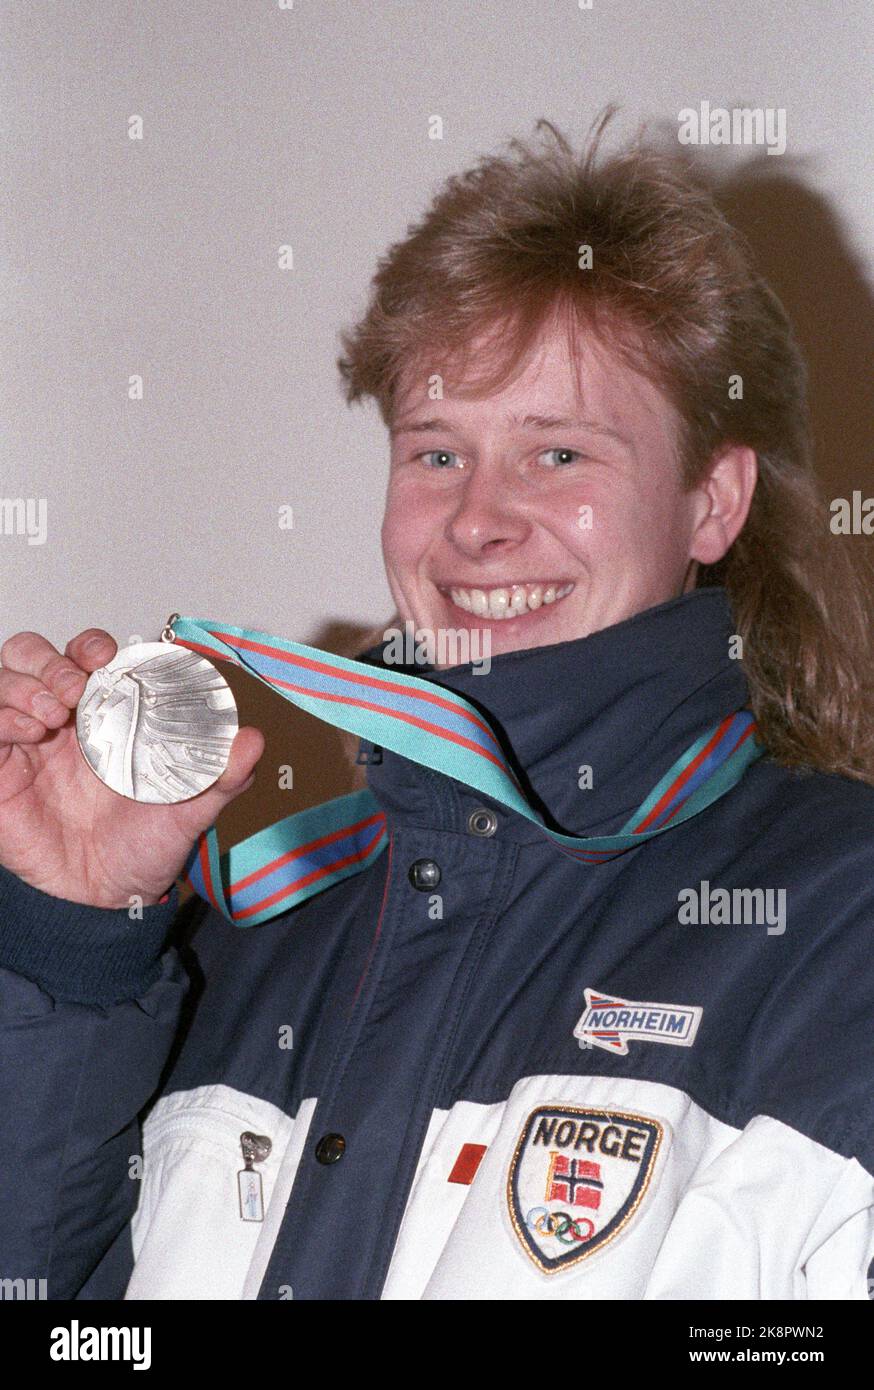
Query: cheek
{"x": 614, "y": 525}
{"x": 597, "y": 523}
{"x": 407, "y": 531}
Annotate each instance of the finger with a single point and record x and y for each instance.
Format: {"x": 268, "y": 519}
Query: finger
{"x": 32, "y": 654}
{"x": 26, "y": 695}
{"x": 19, "y": 728}
{"x": 91, "y": 648}
{"x": 27, "y": 651}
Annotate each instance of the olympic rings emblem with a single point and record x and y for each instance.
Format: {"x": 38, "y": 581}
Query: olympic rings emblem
{"x": 560, "y": 1224}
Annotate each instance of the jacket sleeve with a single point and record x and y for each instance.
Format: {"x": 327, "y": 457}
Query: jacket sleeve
{"x": 89, "y": 1007}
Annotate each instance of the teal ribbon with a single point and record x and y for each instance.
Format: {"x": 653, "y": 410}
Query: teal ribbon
{"x": 305, "y": 853}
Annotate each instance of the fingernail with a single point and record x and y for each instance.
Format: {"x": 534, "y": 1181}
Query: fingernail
{"x": 94, "y": 644}
{"x": 22, "y": 722}
{"x": 68, "y": 679}
{"x": 46, "y": 705}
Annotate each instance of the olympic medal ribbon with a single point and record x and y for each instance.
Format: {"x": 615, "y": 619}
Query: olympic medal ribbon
{"x": 301, "y": 855}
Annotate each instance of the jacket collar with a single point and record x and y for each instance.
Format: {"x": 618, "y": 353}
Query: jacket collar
{"x": 626, "y": 701}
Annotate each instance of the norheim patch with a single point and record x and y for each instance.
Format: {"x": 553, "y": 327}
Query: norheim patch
{"x": 610, "y": 1022}
{"x": 577, "y": 1178}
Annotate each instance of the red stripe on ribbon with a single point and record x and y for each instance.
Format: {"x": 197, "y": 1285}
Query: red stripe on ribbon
{"x": 598, "y": 856}
{"x": 684, "y": 776}
{"x": 206, "y": 870}
{"x": 458, "y": 739}
{"x": 343, "y": 833}
{"x": 435, "y": 729}
{"x": 308, "y": 879}
{"x": 750, "y": 729}
{"x": 324, "y": 668}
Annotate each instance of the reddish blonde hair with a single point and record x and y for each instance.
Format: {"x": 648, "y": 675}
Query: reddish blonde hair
{"x": 673, "y": 289}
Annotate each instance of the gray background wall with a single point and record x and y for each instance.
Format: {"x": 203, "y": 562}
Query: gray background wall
{"x": 308, "y": 126}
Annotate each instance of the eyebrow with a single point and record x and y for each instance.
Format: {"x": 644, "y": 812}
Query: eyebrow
{"x": 436, "y": 424}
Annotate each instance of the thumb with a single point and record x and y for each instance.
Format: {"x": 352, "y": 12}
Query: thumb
{"x": 246, "y": 749}
{"x": 238, "y": 776}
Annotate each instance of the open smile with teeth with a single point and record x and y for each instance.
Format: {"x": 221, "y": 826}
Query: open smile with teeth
{"x": 509, "y": 602}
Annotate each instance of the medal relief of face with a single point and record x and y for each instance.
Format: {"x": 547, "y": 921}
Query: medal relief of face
{"x": 159, "y": 726}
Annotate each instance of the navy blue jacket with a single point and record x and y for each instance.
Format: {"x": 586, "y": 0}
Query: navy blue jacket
{"x": 443, "y": 1118}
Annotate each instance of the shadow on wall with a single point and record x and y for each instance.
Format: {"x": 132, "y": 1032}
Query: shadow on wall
{"x": 801, "y": 250}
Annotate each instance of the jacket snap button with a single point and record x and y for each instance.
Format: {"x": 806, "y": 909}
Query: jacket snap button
{"x": 330, "y": 1148}
{"x": 482, "y": 821}
{"x": 424, "y": 875}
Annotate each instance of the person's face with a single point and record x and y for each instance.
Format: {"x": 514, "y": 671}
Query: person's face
{"x": 487, "y": 521}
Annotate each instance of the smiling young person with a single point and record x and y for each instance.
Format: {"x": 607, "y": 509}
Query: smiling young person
{"x": 486, "y": 498}
{"x": 521, "y": 1068}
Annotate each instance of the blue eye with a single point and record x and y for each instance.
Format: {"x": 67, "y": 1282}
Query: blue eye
{"x": 445, "y": 457}
{"x": 563, "y": 462}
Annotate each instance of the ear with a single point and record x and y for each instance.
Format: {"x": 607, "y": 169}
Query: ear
{"x": 723, "y": 501}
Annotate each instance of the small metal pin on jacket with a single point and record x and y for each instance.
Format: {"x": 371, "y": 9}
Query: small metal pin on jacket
{"x": 250, "y": 1189}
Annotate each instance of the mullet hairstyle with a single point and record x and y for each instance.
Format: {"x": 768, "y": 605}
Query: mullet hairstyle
{"x": 673, "y": 290}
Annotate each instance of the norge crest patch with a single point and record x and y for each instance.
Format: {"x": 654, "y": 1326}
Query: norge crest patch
{"x": 576, "y": 1179}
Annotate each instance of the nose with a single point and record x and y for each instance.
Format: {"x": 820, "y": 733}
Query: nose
{"x": 485, "y": 522}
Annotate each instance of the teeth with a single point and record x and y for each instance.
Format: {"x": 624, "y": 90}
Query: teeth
{"x": 499, "y": 602}
{"x": 502, "y": 603}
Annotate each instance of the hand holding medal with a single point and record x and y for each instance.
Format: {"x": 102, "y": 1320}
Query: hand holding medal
{"x": 158, "y": 727}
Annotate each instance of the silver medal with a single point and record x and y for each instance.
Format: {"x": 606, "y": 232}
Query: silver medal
{"x": 157, "y": 723}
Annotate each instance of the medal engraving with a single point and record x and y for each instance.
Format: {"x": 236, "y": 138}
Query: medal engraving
{"x": 156, "y": 724}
